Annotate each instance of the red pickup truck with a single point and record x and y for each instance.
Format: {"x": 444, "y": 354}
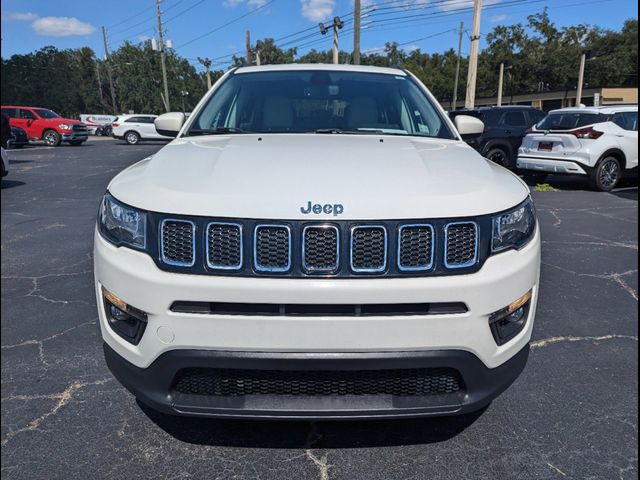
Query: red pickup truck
{"x": 44, "y": 124}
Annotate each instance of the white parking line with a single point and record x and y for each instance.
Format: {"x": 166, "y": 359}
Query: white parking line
{"x": 18, "y": 150}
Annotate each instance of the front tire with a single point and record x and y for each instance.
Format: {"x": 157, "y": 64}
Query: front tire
{"x": 606, "y": 175}
{"x": 132, "y": 138}
{"x": 51, "y": 138}
{"x": 500, "y": 156}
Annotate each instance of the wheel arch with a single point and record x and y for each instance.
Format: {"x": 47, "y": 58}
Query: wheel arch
{"x": 616, "y": 153}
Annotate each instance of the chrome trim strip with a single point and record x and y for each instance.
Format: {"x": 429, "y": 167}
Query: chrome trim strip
{"x": 367, "y": 270}
{"x": 469, "y": 263}
{"x": 206, "y": 240}
{"x": 168, "y": 261}
{"x": 255, "y": 244}
{"x": 433, "y": 244}
{"x": 324, "y": 226}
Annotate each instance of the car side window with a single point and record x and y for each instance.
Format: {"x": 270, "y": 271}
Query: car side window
{"x": 632, "y": 120}
{"x": 132, "y": 120}
{"x": 514, "y": 119}
{"x": 626, "y": 120}
{"x": 146, "y": 119}
{"x": 27, "y": 114}
{"x": 535, "y": 117}
{"x": 9, "y": 112}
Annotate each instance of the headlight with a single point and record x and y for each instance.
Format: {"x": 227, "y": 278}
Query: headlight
{"x": 121, "y": 224}
{"x": 64, "y": 126}
{"x": 514, "y": 228}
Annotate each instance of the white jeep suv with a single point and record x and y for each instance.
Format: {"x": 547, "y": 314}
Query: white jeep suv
{"x": 317, "y": 242}
{"x": 601, "y": 142}
{"x": 133, "y": 128}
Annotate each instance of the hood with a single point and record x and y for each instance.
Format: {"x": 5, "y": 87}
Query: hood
{"x": 277, "y": 176}
{"x": 68, "y": 121}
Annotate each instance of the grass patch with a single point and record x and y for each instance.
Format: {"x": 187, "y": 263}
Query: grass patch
{"x": 545, "y": 187}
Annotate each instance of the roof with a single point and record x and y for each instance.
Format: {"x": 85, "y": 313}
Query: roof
{"x": 605, "y": 109}
{"x": 293, "y": 67}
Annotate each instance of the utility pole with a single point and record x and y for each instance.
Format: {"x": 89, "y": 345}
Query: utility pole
{"x": 206, "y": 63}
{"x": 506, "y": 64}
{"x": 454, "y": 101}
{"x": 248, "y": 44}
{"x": 167, "y": 104}
{"x": 356, "y": 32}
{"x": 109, "y": 71}
{"x": 337, "y": 25}
{"x": 99, "y": 80}
{"x": 472, "y": 76}
{"x": 588, "y": 55}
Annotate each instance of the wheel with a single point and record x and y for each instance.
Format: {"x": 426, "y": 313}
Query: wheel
{"x": 606, "y": 174}
{"x": 52, "y": 138}
{"x": 499, "y": 156}
{"x": 534, "y": 178}
{"x": 132, "y": 138}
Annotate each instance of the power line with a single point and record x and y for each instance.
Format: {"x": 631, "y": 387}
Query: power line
{"x": 226, "y": 24}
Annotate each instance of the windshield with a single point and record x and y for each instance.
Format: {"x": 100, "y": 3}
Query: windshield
{"x": 44, "y": 113}
{"x": 320, "y": 102}
{"x": 569, "y": 120}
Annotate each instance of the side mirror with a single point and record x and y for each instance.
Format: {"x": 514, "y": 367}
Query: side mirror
{"x": 169, "y": 124}
{"x": 468, "y": 126}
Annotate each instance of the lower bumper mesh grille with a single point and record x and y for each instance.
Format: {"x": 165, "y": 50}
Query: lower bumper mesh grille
{"x": 399, "y": 382}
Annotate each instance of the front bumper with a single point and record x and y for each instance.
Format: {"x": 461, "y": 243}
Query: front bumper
{"x": 172, "y": 340}
{"x": 550, "y": 165}
{"x": 75, "y": 137}
{"x": 154, "y": 385}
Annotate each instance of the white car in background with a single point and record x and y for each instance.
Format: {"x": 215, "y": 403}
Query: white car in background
{"x": 601, "y": 142}
{"x": 136, "y": 127}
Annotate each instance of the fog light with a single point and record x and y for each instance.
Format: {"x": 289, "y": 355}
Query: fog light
{"x": 125, "y": 320}
{"x": 509, "y": 321}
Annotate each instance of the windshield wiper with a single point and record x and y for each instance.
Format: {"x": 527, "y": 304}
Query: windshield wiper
{"x": 338, "y": 131}
{"x": 215, "y": 131}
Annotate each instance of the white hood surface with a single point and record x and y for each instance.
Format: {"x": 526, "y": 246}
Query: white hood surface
{"x": 271, "y": 176}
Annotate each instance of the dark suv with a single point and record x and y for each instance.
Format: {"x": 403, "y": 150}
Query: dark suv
{"x": 504, "y": 129}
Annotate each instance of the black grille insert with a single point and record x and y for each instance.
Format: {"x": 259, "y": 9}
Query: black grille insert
{"x": 319, "y": 310}
{"x": 272, "y": 248}
{"x": 461, "y": 244}
{"x": 321, "y": 248}
{"x": 415, "y": 243}
{"x": 178, "y": 243}
{"x": 368, "y": 249}
{"x": 237, "y": 383}
{"x": 224, "y": 246}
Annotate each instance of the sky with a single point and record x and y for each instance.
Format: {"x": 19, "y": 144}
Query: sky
{"x": 216, "y": 28}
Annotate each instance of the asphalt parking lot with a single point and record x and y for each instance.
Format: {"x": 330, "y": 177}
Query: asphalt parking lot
{"x": 573, "y": 414}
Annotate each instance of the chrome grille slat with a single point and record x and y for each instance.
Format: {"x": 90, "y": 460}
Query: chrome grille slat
{"x": 320, "y": 248}
{"x": 415, "y": 247}
{"x": 461, "y": 244}
{"x": 272, "y": 248}
{"x": 224, "y": 246}
{"x": 178, "y": 242}
{"x": 368, "y": 248}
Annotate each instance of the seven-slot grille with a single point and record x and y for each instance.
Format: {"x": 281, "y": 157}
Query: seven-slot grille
{"x": 224, "y": 246}
{"x": 399, "y": 382}
{"x": 301, "y": 249}
{"x": 461, "y": 242}
{"x": 178, "y": 242}
{"x": 368, "y": 248}
{"x": 272, "y": 248}
{"x": 320, "y": 246}
{"x": 415, "y": 247}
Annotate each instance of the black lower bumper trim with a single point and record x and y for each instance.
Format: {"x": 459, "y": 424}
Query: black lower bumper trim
{"x": 154, "y": 385}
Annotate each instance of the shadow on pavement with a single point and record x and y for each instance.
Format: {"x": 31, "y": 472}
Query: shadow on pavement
{"x": 11, "y": 183}
{"x": 304, "y": 434}
{"x": 631, "y": 194}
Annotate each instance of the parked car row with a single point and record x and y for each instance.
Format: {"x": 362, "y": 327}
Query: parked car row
{"x": 600, "y": 143}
